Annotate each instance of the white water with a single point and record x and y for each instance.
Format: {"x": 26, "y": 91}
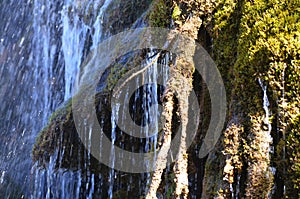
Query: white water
{"x": 57, "y": 39}
{"x": 27, "y": 84}
{"x": 268, "y": 127}
{"x": 53, "y": 183}
{"x": 266, "y": 121}
{"x": 73, "y": 39}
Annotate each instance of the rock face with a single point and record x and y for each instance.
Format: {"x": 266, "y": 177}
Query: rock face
{"x": 256, "y": 48}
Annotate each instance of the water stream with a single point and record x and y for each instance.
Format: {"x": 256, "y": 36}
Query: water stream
{"x": 70, "y": 40}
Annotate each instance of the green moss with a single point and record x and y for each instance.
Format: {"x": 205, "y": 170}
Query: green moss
{"x": 159, "y": 14}
{"x": 260, "y": 39}
{"x": 267, "y": 43}
{"x": 169, "y": 192}
{"x": 121, "y": 15}
{"x": 63, "y": 111}
{"x": 176, "y": 12}
{"x": 269, "y": 48}
{"x": 116, "y": 73}
{"x": 293, "y": 158}
{"x": 118, "y": 69}
{"x": 46, "y": 139}
{"x": 213, "y": 179}
{"x": 225, "y": 34}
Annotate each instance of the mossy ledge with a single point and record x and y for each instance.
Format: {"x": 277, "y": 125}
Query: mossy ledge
{"x": 60, "y": 132}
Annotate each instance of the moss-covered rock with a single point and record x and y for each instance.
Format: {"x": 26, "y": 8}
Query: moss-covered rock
{"x": 259, "y": 40}
{"x": 159, "y": 14}
{"x": 60, "y": 137}
{"x": 61, "y": 132}
{"x": 293, "y": 159}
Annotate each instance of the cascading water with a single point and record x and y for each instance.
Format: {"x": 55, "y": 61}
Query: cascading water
{"x": 26, "y": 92}
{"x": 41, "y": 59}
{"x": 71, "y": 41}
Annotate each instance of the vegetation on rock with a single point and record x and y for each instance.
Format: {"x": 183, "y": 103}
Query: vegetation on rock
{"x": 260, "y": 40}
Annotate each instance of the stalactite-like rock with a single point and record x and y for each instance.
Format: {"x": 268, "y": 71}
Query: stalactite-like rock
{"x": 181, "y": 164}
{"x": 232, "y": 144}
{"x": 162, "y": 156}
{"x": 183, "y": 86}
{"x": 260, "y": 178}
{"x": 181, "y": 82}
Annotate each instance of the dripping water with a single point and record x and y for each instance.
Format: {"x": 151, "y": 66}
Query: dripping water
{"x": 266, "y": 122}
{"x": 267, "y": 127}
{"x": 70, "y": 42}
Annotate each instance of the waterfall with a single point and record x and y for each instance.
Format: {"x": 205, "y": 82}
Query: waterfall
{"x": 49, "y": 48}
{"x": 70, "y": 42}
{"x": 26, "y": 91}
{"x": 73, "y": 38}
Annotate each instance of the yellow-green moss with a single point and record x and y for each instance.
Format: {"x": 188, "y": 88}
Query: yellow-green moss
{"x": 293, "y": 159}
{"x": 159, "y": 14}
{"x": 260, "y": 39}
{"x": 116, "y": 72}
{"x": 269, "y": 47}
{"x": 176, "y": 12}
